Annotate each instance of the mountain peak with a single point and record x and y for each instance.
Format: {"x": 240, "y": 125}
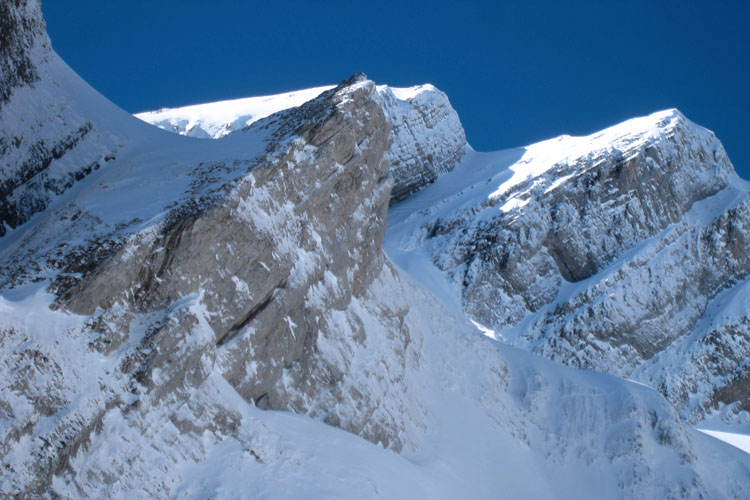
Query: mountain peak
{"x": 355, "y": 78}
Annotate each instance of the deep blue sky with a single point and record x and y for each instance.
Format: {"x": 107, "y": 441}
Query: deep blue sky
{"x": 517, "y": 72}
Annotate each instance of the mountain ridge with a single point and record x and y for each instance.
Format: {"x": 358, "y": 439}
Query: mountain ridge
{"x": 202, "y": 318}
{"x": 496, "y": 241}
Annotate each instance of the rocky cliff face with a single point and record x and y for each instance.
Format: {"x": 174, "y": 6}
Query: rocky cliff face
{"x": 243, "y": 279}
{"x": 604, "y": 252}
{"x": 277, "y": 238}
{"x": 46, "y": 144}
{"x": 155, "y": 307}
{"x": 427, "y": 138}
{"x": 23, "y": 40}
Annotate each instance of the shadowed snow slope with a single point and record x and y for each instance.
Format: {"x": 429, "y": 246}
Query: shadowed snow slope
{"x": 196, "y": 318}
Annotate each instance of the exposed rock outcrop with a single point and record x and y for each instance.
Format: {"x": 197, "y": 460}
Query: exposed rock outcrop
{"x": 23, "y": 41}
{"x": 603, "y": 252}
{"x": 244, "y": 279}
{"x": 428, "y": 139}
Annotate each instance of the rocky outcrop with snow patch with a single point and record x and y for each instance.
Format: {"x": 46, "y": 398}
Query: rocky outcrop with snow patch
{"x": 46, "y": 142}
{"x": 23, "y": 39}
{"x": 243, "y": 275}
{"x": 428, "y": 138}
{"x": 603, "y": 252}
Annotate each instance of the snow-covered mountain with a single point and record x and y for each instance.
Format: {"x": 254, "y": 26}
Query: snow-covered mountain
{"x": 583, "y": 249}
{"x": 216, "y": 318}
{"x": 625, "y": 252}
{"x": 217, "y": 119}
{"x": 427, "y": 138}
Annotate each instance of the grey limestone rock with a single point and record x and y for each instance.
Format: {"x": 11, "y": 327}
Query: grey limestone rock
{"x": 428, "y": 138}
{"x": 245, "y": 279}
{"x": 608, "y": 255}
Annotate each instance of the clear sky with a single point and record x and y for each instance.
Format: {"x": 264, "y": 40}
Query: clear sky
{"x": 517, "y": 72}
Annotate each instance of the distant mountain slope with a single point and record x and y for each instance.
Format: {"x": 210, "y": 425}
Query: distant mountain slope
{"x": 215, "y": 120}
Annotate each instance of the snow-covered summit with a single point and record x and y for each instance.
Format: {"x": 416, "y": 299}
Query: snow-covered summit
{"x": 550, "y": 163}
{"x": 217, "y": 119}
{"x": 427, "y": 136}
{"x": 610, "y": 252}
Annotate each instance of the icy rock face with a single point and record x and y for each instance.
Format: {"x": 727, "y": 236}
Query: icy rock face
{"x": 604, "y": 252}
{"x": 22, "y": 38}
{"x": 659, "y": 295}
{"x": 45, "y": 145}
{"x": 428, "y": 138}
{"x": 579, "y": 215}
{"x": 707, "y": 369}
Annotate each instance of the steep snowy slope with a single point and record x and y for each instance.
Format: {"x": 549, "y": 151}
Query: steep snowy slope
{"x": 217, "y": 319}
{"x": 45, "y": 144}
{"x": 215, "y": 120}
{"x": 625, "y": 252}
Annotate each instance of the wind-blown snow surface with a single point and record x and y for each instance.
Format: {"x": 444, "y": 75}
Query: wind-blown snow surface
{"x": 741, "y": 441}
{"x": 217, "y": 119}
{"x": 131, "y": 366}
{"x": 500, "y": 423}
